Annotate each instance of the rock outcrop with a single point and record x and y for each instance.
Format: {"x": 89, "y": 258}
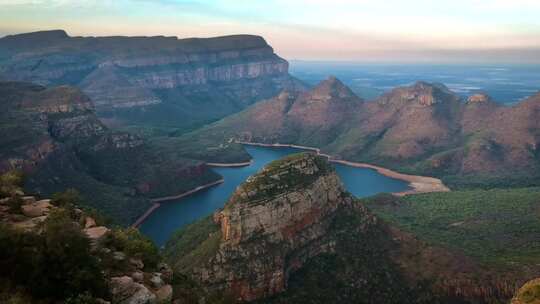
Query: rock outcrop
{"x": 273, "y": 223}
{"x": 292, "y": 233}
{"x": 123, "y": 289}
{"x": 55, "y": 137}
{"x": 160, "y": 74}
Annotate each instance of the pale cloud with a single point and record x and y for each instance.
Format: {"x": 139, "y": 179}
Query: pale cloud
{"x": 302, "y": 28}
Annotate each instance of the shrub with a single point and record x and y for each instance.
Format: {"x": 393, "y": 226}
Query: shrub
{"x": 68, "y": 198}
{"x": 134, "y": 244}
{"x": 53, "y": 265}
{"x": 10, "y": 183}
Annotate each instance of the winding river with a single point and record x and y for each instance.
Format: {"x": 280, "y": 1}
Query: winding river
{"x": 171, "y": 216}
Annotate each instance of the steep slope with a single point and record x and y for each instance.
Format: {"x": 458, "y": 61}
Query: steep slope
{"x": 424, "y": 129}
{"x": 312, "y": 118}
{"x": 159, "y": 81}
{"x": 292, "y": 234}
{"x": 54, "y": 136}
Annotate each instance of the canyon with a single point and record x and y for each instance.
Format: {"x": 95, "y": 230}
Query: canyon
{"x": 158, "y": 81}
{"x": 292, "y": 226}
{"x": 423, "y": 129}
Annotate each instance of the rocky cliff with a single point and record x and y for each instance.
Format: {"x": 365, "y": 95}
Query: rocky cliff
{"x": 291, "y": 233}
{"x": 160, "y": 74}
{"x": 54, "y": 136}
{"x": 423, "y": 128}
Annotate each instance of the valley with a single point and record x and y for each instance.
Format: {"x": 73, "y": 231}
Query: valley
{"x": 208, "y": 170}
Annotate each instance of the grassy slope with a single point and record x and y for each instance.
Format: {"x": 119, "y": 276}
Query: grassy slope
{"x": 499, "y": 227}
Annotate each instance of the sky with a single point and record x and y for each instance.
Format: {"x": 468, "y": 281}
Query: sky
{"x": 346, "y": 30}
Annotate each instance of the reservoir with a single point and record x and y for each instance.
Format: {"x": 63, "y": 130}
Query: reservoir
{"x": 172, "y": 215}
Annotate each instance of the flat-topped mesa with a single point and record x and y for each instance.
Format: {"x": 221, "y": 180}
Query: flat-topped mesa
{"x": 421, "y": 93}
{"x": 244, "y": 68}
{"x": 272, "y": 225}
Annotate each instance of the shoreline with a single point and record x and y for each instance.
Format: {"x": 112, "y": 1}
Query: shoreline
{"x": 156, "y": 202}
{"x": 230, "y": 165}
{"x": 419, "y": 184}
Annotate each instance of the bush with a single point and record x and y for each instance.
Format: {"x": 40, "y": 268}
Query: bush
{"x": 68, "y": 198}
{"x": 10, "y": 183}
{"x": 134, "y": 244}
{"x": 15, "y": 203}
{"x": 56, "y": 264}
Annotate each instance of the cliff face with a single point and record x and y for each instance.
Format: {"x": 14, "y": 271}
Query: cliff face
{"x": 272, "y": 225}
{"x": 54, "y": 136}
{"x": 161, "y": 73}
{"x": 292, "y": 227}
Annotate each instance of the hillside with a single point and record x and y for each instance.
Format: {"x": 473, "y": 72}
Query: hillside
{"x": 291, "y": 234}
{"x": 155, "y": 82}
{"x": 55, "y": 138}
{"x": 423, "y": 129}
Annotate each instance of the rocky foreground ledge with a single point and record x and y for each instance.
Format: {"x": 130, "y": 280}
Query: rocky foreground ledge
{"x": 128, "y": 280}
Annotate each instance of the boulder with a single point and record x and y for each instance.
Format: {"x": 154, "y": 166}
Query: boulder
{"x": 137, "y": 263}
{"x": 138, "y": 276}
{"x": 28, "y": 199}
{"x": 166, "y": 272}
{"x": 164, "y": 294}
{"x": 96, "y": 233}
{"x": 36, "y": 209}
{"x": 119, "y": 256}
{"x": 125, "y": 291}
{"x": 89, "y": 222}
{"x": 156, "y": 280}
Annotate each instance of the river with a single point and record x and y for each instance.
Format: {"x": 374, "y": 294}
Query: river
{"x": 172, "y": 215}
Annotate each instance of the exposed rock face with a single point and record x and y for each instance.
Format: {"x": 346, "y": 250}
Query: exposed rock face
{"x": 119, "y": 73}
{"x": 272, "y": 225}
{"x": 54, "y": 136}
{"x": 125, "y": 291}
{"x": 291, "y": 233}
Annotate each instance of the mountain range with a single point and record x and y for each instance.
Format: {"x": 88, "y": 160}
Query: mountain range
{"x": 424, "y": 128}
{"x": 156, "y": 82}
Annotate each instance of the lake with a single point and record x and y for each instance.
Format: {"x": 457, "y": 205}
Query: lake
{"x": 171, "y": 216}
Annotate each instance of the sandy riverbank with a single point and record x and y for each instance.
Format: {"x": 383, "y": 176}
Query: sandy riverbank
{"x": 230, "y": 165}
{"x": 419, "y": 184}
{"x": 157, "y": 201}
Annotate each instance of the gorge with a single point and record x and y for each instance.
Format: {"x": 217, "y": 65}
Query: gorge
{"x": 175, "y": 214}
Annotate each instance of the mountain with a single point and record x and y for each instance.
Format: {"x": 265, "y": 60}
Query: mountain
{"x": 292, "y": 234}
{"x": 55, "y": 138}
{"x": 423, "y": 129}
{"x": 154, "y": 81}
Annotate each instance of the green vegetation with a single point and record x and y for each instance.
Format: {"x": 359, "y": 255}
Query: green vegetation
{"x": 499, "y": 227}
{"x": 134, "y": 244}
{"x": 286, "y": 174}
{"x": 193, "y": 244}
{"x": 56, "y": 264}
{"x": 10, "y": 183}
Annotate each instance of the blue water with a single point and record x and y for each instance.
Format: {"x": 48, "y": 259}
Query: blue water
{"x": 505, "y": 83}
{"x": 175, "y": 214}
